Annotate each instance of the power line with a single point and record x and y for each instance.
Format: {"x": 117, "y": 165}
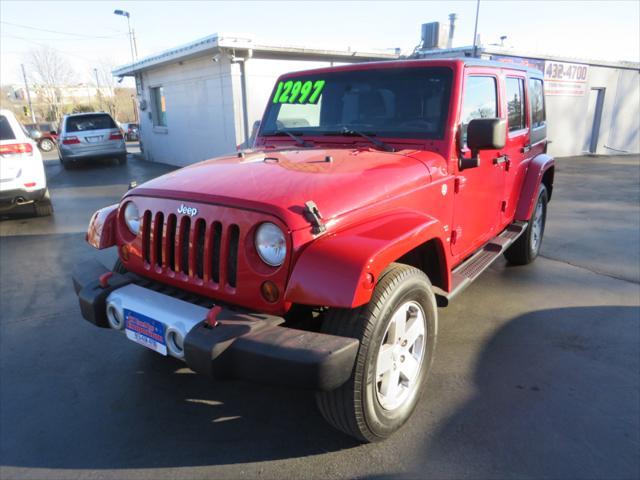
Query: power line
{"x": 81, "y": 35}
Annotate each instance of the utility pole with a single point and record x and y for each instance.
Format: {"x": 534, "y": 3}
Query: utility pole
{"x": 26, "y": 86}
{"x": 475, "y": 31}
{"x": 98, "y": 93}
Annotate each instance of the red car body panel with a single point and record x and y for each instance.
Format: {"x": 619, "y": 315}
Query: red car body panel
{"x": 376, "y": 206}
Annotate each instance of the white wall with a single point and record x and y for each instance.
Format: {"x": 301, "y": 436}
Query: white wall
{"x": 200, "y": 112}
{"x": 570, "y": 119}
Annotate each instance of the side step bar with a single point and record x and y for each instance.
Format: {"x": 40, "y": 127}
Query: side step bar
{"x": 471, "y": 268}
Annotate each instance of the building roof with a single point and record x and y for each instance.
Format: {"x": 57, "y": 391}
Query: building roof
{"x": 216, "y": 42}
{"x": 510, "y": 52}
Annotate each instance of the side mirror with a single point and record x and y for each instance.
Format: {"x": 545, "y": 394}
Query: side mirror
{"x": 486, "y": 134}
{"x": 483, "y": 134}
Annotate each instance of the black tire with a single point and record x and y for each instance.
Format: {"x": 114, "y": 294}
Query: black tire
{"x": 122, "y": 159}
{"x": 119, "y": 267}
{"x": 354, "y": 408}
{"x": 44, "y": 207}
{"x": 66, "y": 164}
{"x": 525, "y": 249}
{"x": 46, "y": 145}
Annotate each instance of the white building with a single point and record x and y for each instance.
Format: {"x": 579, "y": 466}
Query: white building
{"x": 593, "y": 106}
{"x": 202, "y": 99}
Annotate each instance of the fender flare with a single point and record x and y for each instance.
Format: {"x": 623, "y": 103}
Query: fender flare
{"x": 102, "y": 228}
{"x": 341, "y": 269}
{"x": 529, "y": 192}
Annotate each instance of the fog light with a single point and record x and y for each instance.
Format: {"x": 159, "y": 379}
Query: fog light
{"x": 270, "y": 291}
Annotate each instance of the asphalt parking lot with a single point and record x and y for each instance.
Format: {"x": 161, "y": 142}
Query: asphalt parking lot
{"x": 536, "y": 373}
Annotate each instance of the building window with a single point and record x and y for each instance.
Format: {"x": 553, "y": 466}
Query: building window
{"x": 159, "y": 106}
{"x": 480, "y": 101}
{"x": 515, "y": 103}
{"x": 536, "y": 93}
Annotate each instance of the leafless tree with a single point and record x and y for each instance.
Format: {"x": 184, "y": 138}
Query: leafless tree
{"x": 49, "y": 71}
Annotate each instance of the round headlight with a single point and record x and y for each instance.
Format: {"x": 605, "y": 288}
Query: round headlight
{"x": 132, "y": 218}
{"x": 271, "y": 244}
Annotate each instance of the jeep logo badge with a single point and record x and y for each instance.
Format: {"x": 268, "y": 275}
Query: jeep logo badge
{"x": 191, "y": 211}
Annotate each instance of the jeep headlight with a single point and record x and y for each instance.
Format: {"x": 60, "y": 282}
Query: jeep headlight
{"x": 271, "y": 244}
{"x": 132, "y": 217}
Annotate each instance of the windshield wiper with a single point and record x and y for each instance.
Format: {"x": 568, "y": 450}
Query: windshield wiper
{"x": 299, "y": 140}
{"x": 346, "y": 131}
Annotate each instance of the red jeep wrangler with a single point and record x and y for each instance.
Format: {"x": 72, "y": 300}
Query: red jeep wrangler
{"x": 373, "y": 195}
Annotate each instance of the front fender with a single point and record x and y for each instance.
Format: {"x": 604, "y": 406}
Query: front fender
{"x": 102, "y": 228}
{"x": 341, "y": 270}
{"x": 529, "y": 192}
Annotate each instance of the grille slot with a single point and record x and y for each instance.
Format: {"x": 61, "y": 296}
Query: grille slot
{"x": 171, "y": 242}
{"x": 185, "y": 227}
{"x": 232, "y": 256}
{"x": 146, "y": 236}
{"x": 199, "y": 246}
{"x": 216, "y": 242}
{"x": 158, "y": 237}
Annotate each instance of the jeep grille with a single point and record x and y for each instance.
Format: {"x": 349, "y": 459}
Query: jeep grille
{"x": 208, "y": 252}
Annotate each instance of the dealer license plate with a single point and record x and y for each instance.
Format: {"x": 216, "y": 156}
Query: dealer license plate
{"x": 145, "y": 331}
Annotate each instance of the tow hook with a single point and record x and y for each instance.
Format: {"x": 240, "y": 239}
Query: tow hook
{"x": 314, "y": 217}
{"x": 212, "y": 317}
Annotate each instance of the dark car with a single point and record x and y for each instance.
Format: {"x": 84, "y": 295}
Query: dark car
{"x": 44, "y": 134}
{"x": 130, "y": 131}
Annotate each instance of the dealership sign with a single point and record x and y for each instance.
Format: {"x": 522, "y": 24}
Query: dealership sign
{"x": 561, "y": 78}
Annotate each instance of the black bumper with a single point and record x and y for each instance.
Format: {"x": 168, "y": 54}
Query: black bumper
{"x": 246, "y": 346}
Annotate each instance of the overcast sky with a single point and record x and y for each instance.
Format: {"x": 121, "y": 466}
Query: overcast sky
{"x": 84, "y": 32}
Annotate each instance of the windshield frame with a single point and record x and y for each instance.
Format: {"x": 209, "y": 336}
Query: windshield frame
{"x": 444, "y": 69}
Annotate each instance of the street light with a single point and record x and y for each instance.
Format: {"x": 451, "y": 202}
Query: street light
{"x": 124, "y": 13}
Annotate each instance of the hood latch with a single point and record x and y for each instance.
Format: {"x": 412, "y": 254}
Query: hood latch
{"x": 314, "y": 217}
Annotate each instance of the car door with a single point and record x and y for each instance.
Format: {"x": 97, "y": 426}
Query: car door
{"x": 478, "y": 191}
{"x": 516, "y": 152}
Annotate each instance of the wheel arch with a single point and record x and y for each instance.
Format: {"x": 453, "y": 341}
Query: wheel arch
{"x": 541, "y": 170}
{"x": 341, "y": 270}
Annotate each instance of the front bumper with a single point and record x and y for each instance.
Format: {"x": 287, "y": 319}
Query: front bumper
{"x": 243, "y": 345}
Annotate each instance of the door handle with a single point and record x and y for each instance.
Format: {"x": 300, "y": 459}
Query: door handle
{"x": 526, "y": 149}
{"x": 501, "y": 159}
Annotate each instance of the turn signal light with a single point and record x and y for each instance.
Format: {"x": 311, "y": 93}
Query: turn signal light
{"x": 270, "y": 291}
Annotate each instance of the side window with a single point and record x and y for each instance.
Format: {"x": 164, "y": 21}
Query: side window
{"x": 480, "y": 101}
{"x": 515, "y": 104}
{"x": 536, "y": 94}
{"x": 159, "y": 106}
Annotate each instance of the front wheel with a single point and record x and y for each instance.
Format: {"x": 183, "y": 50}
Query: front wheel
{"x": 526, "y": 248}
{"x": 397, "y": 331}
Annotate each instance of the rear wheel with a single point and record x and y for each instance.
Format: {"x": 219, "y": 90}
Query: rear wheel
{"x": 44, "y": 207}
{"x": 526, "y": 248}
{"x": 397, "y": 331}
{"x": 46, "y": 145}
{"x": 122, "y": 159}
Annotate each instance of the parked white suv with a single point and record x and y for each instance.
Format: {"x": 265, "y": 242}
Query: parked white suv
{"x": 88, "y": 136}
{"x": 22, "y": 177}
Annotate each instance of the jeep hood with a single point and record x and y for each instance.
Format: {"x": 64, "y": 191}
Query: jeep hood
{"x": 281, "y": 182}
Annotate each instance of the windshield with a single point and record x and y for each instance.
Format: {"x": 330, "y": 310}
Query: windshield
{"x": 80, "y": 123}
{"x": 386, "y": 102}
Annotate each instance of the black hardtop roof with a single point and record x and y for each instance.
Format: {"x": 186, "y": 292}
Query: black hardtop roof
{"x": 465, "y": 61}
